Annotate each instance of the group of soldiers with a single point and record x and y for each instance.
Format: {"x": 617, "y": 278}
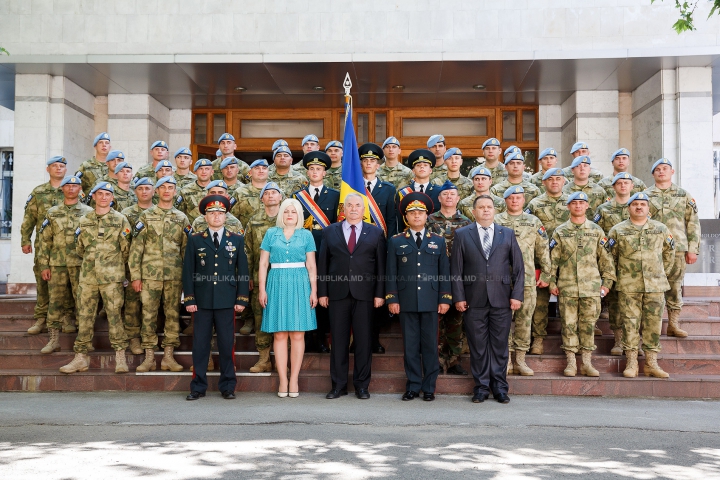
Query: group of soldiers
{"x": 117, "y": 236}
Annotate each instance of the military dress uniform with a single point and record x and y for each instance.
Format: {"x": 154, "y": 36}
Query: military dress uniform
{"x": 383, "y": 193}
{"x": 232, "y": 224}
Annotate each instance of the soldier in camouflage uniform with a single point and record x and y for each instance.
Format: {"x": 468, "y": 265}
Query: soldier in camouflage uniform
{"x": 58, "y": 261}
{"x": 183, "y": 175}
{"x": 581, "y": 182}
{"x": 124, "y": 195}
{"x": 644, "y": 254}
{"x": 481, "y": 178}
{"x": 230, "y": 168}
{"x": 188, "y": 200}
{"x": 310, "y": 143}
{"x": 676, "y": 208}
{"x": 453, "y": 161}
{"x": 159, "y": 152}
{"x": 548, "y": 160}
{"x": 38, "y": 203}
{"x": 156, "y": 257}
{"x": 333, "y": 175}
{"x": 532, "y": 238}
{"x": 247, "y": 197}
{"x": 227, "y": 145}
{"x": 259, "y": 224}
{"x": 393, "y": 170}
{"x": 163, "y": 169}
{"x": 436, "y": 144}
{"x": 515, "y": 166}
{"x": 512, "y": 150}
{"x": 493, "y": 153}
{"x": 103, "y": 242}
{"x": 621, "y": 163}
{"x": 287, "y": 179}
{"x": 94, "y": 169}
{"x": 581, "y": 149}
{"x": 232, "y": 224}
{"x": 444, "y": 222}
{"x": 114, "y": 157}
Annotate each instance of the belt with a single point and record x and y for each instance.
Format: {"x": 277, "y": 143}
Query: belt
{"x": 288, "y": 265}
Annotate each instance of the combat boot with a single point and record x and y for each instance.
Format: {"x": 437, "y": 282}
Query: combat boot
{"x": 80, "y": 363}
{"x": 53, "y": 344}
{"x": 631, "y": 367}
{"x": 673, "y": 328}
{"x": 38, "y": 327}
{"x": 149, "y": 363}
{"x": 263, "y": 364}
{"x": 586, "y": 368}
{"x": 605, "y": 313}
{"x": 520, "y": 365}
{"x": 247, "y": 327}
{"x": 537, "y": 346}
{"x": 617, "y": 348}
{"x": 168, "y": 361}
{"x": 189, "y": 329}
{"x": 135, "y": 347}
{"x": 597, "y": 330}
{"x": 652, "y": 369}
{"x": 510, "y": 363}
{"x": 69, "y": 325}
{"x": 120, "y": 363}
{"x": 571, "y": 369}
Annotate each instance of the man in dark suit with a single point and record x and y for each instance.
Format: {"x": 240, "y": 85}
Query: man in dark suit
{"x": 488, "y": 277}
{"x": 351, "y": 265}
{"x": 422, "y": 162}
{"x": 215, "y": 285}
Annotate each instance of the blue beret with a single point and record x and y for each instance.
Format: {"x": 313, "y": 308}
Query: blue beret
{"x": 183, "y": 151}
{"x": 333, "y": 143}
{"x": 514, "y": 156}
{"x": 621, "y": 151}
{"x": 228, "y": 161}
{"x": 621, "y": 176}
{"x": 662, "y": 161}
{"x": 203, "y": 162}
{"x": 168, "y": 179}
{"x": 512, "y": 190}
{"x": 102, "y": 136}
{"x": 107, "y": 186}
{"x": 480, "y": 171}
{"x": 218, "y": 154}
{"x": 546, "y": 152}
{"x": 56, "y": 159}
{"x": 217, "y": 183}
{"x": 282, "y": 149}
{"x": 142, "y": 181}
{"x": 226, "y": 136}
{"x": 434, "y": 140}
{"x": 115, "y": 154}
{"x": 491, "y": 142}
{"x": 310, "y": 138}
{"x": 122, "y": 165}
{"x": 511, "y": 149}
{"x": 638, "y": 196}
{"x": 577, "y": 196}
{"x": 579, "y": 160}
{"x": 70, "y": 180}
{"x": 260, "y": 162}
{"x": 279, "y": 143}
{"x": 554, "y": 172}
{"x": 160, "y": 144}
{"x": 391, "y": 141}
{"x": 163, "y": 164}
{"x": 270, "y": 186}
{"x": 577, "y": 146}
{"x": 448, "y": 185}
{"x": 451, "y": 152}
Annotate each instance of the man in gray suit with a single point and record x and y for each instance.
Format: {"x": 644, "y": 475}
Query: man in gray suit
{"x": 487, "y": 271}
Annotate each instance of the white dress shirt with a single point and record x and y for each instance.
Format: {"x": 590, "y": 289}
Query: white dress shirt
{"x": 481, "y": 232}
{"x": 347, "y": 231}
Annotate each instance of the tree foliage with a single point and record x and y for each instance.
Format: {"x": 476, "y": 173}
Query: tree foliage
{"x": 2, "y": 50}
{"x": 687, "y": 10}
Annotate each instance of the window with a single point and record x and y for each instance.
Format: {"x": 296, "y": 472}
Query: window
{"x": 528, "y": 125}
{"x": 380, "y": 128}
{"x": 6, "y": 190}
{"x": 450, "y": 127}
{"x": 509, "y": 119}
{"x": 280, "y": 128}
{"x": 200, "y": 132}
{"x": 363, "y": 126}
{"x": 218, "y": 126}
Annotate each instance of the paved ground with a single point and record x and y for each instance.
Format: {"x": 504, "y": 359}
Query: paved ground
{"x": 159, "y": 435}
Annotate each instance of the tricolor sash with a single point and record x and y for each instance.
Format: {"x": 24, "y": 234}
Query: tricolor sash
{"x": 405, "y": 191}
{"x": 309, "y": 204}
{"x": 375, "y": 212}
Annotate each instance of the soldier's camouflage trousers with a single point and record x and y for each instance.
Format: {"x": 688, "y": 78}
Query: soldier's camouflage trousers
{"x": 614, "y": 310}
{"x": 62, "y": 288}
{"x": 263, "y": 340}
{"x": 641, "y": 309}
{"x": 451, "y": 337}
{"x": 133, "y": 313}
{"x": 43, "y": 292}
{"x": 87, "y": 299}
{"x": 520, "y": 338}
{"x": 577, "y": 318}
{"x": 673, "y": 297}
{"x": 152, "y": 293}
{"x": 540, "y": 316}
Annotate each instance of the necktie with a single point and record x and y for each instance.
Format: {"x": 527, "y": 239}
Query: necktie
{"x": 422, "y": 188}
{"x": 216, "y": 241}
{"x": 351, "y": 240}
{"x": 317, "y": 194}
{"x": 369, "y": 186}
{"x": 418, "y": 239}
{"x": 486, "y": 242}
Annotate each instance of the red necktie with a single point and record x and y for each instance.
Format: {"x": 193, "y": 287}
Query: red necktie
{"x": 351, "y": 240}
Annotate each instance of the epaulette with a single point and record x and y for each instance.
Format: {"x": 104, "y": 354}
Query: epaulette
{"x": 433, "y": 234}
{"x": 197, "y": 233}
{"x": 398, "y": 234}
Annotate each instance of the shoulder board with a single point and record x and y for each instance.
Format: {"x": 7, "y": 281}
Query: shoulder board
{"x": 398, "y": 234}
{"x": 433, "y": 234}
{"x": 195, "y": 234}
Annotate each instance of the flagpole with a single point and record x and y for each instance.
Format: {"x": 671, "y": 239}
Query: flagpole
{"x": 347, "y": 84}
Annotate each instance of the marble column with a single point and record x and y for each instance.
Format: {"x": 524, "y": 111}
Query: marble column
{"x": 134, "y": 123}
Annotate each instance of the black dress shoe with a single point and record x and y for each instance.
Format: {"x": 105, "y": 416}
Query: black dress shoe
{"x": 228, "y": 395}
{"x": 410, "y": 395}
{"x": 362, "y": 393}
{"x": 378, "y": 349}
{"x": 502, "y": 398}
{"x": 336, "y": 393}
{"x": 194, "y": 396}
{"x": 428, "y": 396}
{"x": 457, "y": 370}
{"x": 324, "y": 349}
{"x": 480, "y": 397}
{"x": 351, "y": 349}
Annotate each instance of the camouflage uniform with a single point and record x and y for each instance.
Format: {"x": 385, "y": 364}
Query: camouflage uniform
{"x": 398, "y": 175}
{"x": 57, "y": 253}
{"x": 92, "y": 172}
{"x": 532, "y": 238}
{"x": 439, "y": 171}
{"x": 243, "y": 170}
{"x": 675, "y": 208}
{"x": 103, "y": 243}
{"x": 466, "y": 205}
{"x": 183, "y": 181}
{"x": 122, "y": 198}
{"x": 156, "y": 258}
{"x": 499, "y": 173}
{"x": 606, "y": 184}
{"x": 580, "y": 266}
{"x": 248, "y": 203}
{"x": 38, "y": 203}
{"x": 644, "y": 255}
{"x": 233, "y": 188}
{"x": 333, "y": 178}
{"x": 147, "y": 170}
{"x": 231, "y": 224}
{"x": 132, "y": 318}
{"x": 298, "y": 167}
{"x": 188, "y": 200}
{"x": 464, "y": 185}
{"x": 531, "y": 191}
{"x": 451, "y": 323}
{"x": 596, "y": 195}
{"x": 290, "y": 182}
{"x": 595, "y": 174}
{"x": 536, "y": 179}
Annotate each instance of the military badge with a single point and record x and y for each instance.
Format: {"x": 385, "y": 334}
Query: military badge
{"x": 692, "y": 204}
{"x": 77, "y": 233}
{"x": 179, "y": 200}
{"x": 404, "y": 259}
{"x": 125, "y": 232}
{"x": 597, "y": 217}
{"x": 552, "y": 245}
{"x": 28, "y": 200}
{"x": 671, "y": 241}
{"x": 542, "y": 232}
{"x": 139, "y": 226}
{"x": 45, "y": 223}
{"x": 187, "y": 229}
{"x": 610, "y": 244}
{"x": 432, "y": 245}
{"x": 232, "y": 201}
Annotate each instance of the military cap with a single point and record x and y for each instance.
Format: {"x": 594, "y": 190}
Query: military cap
{"x": 480, "y": 171}
{"x": 183, "y": 151}
{"x": 511, "y": 149}
{"x": 168, "y": 179}
{"x": 279, "y": 143}
{"x": 452, "y": 151}
{"x": 491, "y": 142}
{"x": 270, "y": 186}
{"x": 115, "y": 154}
{"x": 577, "y": 196}
{"x": 56, "y": 159}
{"x": 621, "y": 176}
{"x": 416, "y": 201}
{"x": 226, "y": 136}
{"x": 217, "y": 183}
{"x": 514, "y": 156}
{"x": 448, "y": 185}
{"x": 142, "y": 181}
{"x": 391, "y": 141}
{"x": 160, "y": 144}
{"x": 70, "y": 180}
{"x": 102, "y": 136}
{"x": 281, "y": 149}
{"x": 577, "y": 146}
{"x": 621, "y": 151}
{"x": 163, "y": 164}
{"x": 309, "y": 138}
{"x": 333, "y": 143}
{"x": 513, "y": 190}
{"x": 122, "y": 165}
{"x": 638, "y": 196}
{"x": 421, "y": 155}
{"x": 260, "y": 162}
{"x": 107, "y": 186}
{"x": 434, "y": 140}
{"x": 370, "y": 150}
{"x": 316, "y": 158}
{"x": 229, "y": 161}
{"x": 554, "y": 172}
{"x": 581, "y": 159}
{"x": 203, "y": 162}
{"x": 546, "y": 152}
{"x": 214, "y": 203}
{"x": 218, "y": 154}
{"x": 662, "y": 161}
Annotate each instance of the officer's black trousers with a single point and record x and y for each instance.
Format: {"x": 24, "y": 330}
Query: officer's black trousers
{"x": 420, "y": 343}
{"x": 346, "y": 314}
{"x": 224, "y": 322}
{"x": 486, "y": 330}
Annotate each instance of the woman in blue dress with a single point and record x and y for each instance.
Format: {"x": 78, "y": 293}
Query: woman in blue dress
{"x": 288, "y": 293}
